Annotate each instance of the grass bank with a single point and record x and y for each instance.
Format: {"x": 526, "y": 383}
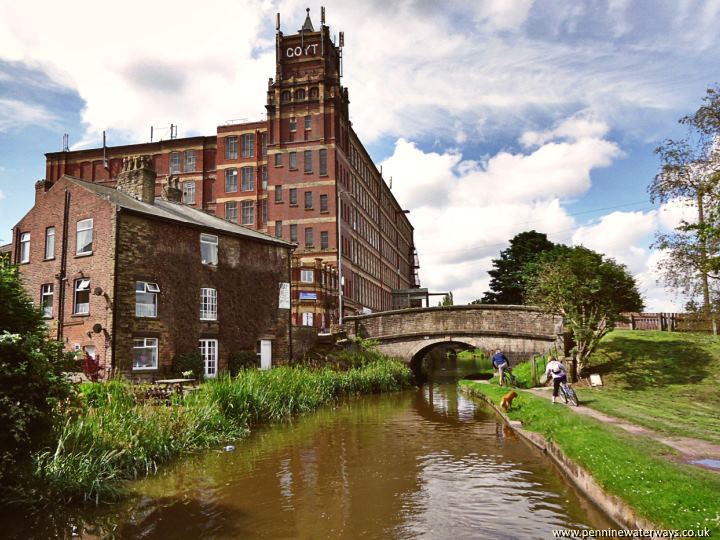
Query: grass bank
{"x": 664, "y": 381}
{"x": 113, "y": 437}
{"x": 635, "y": 469}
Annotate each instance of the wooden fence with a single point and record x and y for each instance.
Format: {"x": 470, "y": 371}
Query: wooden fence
{"x": 670, "y": 322}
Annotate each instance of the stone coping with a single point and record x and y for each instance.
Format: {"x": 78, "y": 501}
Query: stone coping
{"x": 617, "y": 509}
{"x": 477, "y": 307}
{"x": 468, "y": 333}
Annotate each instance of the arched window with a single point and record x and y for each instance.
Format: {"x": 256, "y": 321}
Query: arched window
{"x": 285, "y": 96}
{"x": 299, "y": 94}
{"x": 314, "y": 92}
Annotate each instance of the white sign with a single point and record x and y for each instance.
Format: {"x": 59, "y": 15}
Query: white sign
{"x": 292, "y": 52}
{"x": 596, "y": 380}
{"x": 284, "y": 300}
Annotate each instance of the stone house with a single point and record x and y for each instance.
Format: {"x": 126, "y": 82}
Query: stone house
{"x": 134, "y": 279}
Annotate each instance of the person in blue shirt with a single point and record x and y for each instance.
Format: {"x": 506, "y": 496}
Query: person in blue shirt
{"x": 501, "y": 363}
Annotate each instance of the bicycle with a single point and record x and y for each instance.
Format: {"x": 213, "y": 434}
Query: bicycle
{"x": 509, "y": 379}
{"x": 568, "y": 394}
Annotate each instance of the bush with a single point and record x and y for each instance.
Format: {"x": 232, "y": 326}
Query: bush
{"x": 193, "y": 361}
{"x": 240, "y": 360}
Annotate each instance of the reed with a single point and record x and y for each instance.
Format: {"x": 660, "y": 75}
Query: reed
{"x": 115, "y": 437}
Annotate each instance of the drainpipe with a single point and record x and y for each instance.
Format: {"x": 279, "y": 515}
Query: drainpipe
{"x": 62, "y": 277}
{"x": 115, "y": 293}
{"x": 289, "y": 275}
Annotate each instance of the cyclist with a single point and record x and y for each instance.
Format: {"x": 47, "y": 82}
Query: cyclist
{"x": 501, "y": 363}
{"x": 556, "y": 370}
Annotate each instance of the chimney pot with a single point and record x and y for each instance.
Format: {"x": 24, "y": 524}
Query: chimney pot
{"x": 137, "y": 178}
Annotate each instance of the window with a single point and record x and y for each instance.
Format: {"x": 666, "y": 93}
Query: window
{"x": 278, "y": 160}
{"x": 293, "y": 160}
{"x": 247, "y": 145}
{"x": 308, "y": 237}
{"x": 46, "y": 300}
{"x": 248, "y": 182}
{"x": 323, "y": 203}
{"x": 174, "y": 162}
{"x": 50, "y": 243}
{"x": 307, "y": 319}
{"x": 278, "y": 229}
{"x": 230, "y": 180}
{"x": 323, "y": 161}
{"x": 324, "y": 240}
{"x": 263, "y": 144}
{"x": 208, "y": 248}
{"x": 300, "y": 94}
{"x": 188, "y": 195}
{"x": 145, "y": 353}
{"x": 146, "y": 299}
{"x": 84, "y": 243}
{"x": 307, "y": 160}
{"x": 293, "y": 124}
{"x": 285, "y": 96}
{"x": 190, "y": 161}
{"x": 25, "y": 247}
{"x": 307, "y": 276}
{"x": 209, "y": 352}
{"x": 308, "y": 122}
{"x": 231, "y": 211}
{"x": 278, "y": 194}
{"x": 82, "y": 297}
{"x": 308, "y": 200}
{"x": 264, "y": 176}
{"x": 208, "y": 304}
{"x": 230, "y": 147}
{"x": 248, "y": 212}
{"x": 314, "y": 92}
{"x": 293, "y": 196}
{"x": 264, "y": 207}
{"x": 293, "y": 233}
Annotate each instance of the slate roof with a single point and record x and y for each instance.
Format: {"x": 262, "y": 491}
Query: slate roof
{"x": 174, "y": 211}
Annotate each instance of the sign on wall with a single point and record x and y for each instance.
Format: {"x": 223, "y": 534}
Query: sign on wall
{"x": 284, "y": 299}
{"x": 308, "y": 295}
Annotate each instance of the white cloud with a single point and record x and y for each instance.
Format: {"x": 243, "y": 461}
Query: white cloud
{"x": 15, "y": 114}
{"x": 2, "y": 194}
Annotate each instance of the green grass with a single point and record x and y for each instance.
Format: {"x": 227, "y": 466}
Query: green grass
{"x": 114, "y": 437}
{"x": 665, "y": 381}
{"x": 635, "y": 469}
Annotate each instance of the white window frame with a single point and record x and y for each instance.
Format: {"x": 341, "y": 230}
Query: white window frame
{"x": 293, "y": 124}
{"x": 307, "y": 161}
{"x": 47, "y": 290}
{"x": 308, "y": 319}
{"x": 208, "y": 304}
{"x": 308, "y": 122}
{"x": 175, "y": 164}
{"x": 231, "y": 147}
{"x": 212, "y": 242}
{"x": 247, "y": 145}
{"x": 231, "y": 187}
{"x": 82, "y": 227}
{"x": 293, "y": 160}
{"x": 144, "y": 287}
{"x": 247, "y": 180}
{"x": 82, "y": 284}
{"x": 231, "y": 211}
{"x": 50, "y": 243}
{"x": 188, "y": 196}
{"x": 209, "y": 351}
{"x": 248, "y": 212}
{"x": 307, "y": 275}
{"x": 25, "y": 247}
{"x": 146, "y": 344}
{"x": 190, "y": 161}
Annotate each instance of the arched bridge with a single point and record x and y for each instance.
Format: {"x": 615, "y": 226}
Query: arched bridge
{"x": 408, "y": 334}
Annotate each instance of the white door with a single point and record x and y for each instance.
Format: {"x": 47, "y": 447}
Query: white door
{"x": 265, "y": 354}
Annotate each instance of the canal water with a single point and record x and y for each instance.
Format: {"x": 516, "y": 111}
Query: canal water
{"x": 425, "y": 463}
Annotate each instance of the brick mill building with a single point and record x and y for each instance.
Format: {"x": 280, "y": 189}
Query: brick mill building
{"x": 134, "y": 279}
{"x": 301, "y": 175}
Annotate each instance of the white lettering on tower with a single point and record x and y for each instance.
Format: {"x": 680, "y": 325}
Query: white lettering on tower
{"x": 298, "y": 51}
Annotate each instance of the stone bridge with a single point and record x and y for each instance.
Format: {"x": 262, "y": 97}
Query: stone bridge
{"x": 408, "y": 334}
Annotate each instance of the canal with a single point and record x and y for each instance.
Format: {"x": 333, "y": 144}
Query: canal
{"x": 425, "y": 463}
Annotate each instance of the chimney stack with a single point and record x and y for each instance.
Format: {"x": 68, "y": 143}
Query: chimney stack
{"x": 171, "y": 190}
{"x": 41, "y": 186}
{"x": 137, "y": 178}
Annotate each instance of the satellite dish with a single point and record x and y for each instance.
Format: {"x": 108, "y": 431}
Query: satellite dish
{"x": 97, "y": 328}
{"x": 97, "y": 291}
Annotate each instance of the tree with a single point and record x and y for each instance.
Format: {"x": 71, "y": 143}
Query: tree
{"x": 689, "y": 173}
{"x": 447, "y": 300}
{"x": 589, "y": 292}
{"x": 31, "y": 380}
{"x": 507, "y": 285}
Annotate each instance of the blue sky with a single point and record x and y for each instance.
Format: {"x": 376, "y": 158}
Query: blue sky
{"x": 492, "y": 117}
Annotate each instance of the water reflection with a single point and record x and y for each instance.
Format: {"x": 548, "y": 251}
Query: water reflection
{"x": 429, "y": 463}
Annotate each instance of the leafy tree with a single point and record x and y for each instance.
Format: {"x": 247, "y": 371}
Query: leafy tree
{"x": 31, "y": 380}
{"x": 507, "y": 284}
{"x": 447, "y": 300}
{"x": 589, "y": 292}
{"x": 690, "y": 173}
{"x": 476, "y": 301}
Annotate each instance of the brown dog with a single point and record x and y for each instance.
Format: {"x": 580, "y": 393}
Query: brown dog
{"x": 506, "y": 401}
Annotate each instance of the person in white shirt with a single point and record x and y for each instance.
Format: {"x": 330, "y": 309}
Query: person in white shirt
{"x": 556, "y": 370}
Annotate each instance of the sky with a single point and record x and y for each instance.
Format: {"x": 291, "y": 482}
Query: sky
{"x": 492, "y": 117}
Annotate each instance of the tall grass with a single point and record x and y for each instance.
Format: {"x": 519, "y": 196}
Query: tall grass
{"x": 116, "y": 437}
